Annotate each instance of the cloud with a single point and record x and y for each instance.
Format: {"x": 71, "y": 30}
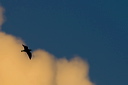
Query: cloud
{"x": 43, "y": 69}
{"x": 1, "y": 16}
{"x": 74, "y": 72}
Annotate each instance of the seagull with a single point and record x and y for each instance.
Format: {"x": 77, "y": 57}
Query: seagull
{"x": 27, "y": 51}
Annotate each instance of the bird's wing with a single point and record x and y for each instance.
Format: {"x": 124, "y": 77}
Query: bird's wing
{"x": 25, "y": 47}
{"x": 29, "y": 54}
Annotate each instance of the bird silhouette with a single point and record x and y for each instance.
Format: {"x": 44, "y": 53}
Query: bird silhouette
{"x": 27, "y": 51}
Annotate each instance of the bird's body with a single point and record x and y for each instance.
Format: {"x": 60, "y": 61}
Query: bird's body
{"x": 27, "y": 51}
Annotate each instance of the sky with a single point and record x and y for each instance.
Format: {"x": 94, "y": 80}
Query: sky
{"x": 94, "y": 30}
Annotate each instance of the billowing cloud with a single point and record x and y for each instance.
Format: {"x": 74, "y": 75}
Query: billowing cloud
{"x": 43, "y": 69}
{"x": 73, "y": 72}
{"x": 1, "y": 16}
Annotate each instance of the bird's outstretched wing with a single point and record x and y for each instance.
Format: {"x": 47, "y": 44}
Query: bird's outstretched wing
{"x": 25, "y": 47}
{"x": 29, "y": 54}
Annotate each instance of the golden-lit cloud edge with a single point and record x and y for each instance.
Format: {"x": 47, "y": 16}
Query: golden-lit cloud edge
{"x": 2, "y": 18}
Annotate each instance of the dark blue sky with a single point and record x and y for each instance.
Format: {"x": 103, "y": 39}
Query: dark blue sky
{"x": 96, "y": 30}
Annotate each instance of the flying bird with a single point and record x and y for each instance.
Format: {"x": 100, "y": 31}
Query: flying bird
{"x": 27, "y": 51}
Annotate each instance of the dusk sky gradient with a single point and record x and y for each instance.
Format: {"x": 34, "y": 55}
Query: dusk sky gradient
{"x": 95, "y": 30}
